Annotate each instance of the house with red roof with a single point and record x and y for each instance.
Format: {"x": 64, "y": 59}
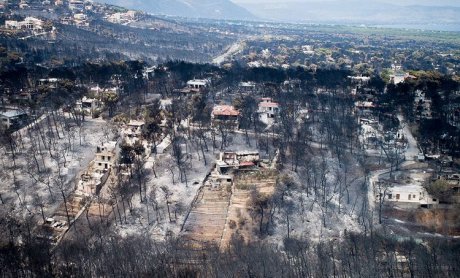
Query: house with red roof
{"x": 225, "y": 114}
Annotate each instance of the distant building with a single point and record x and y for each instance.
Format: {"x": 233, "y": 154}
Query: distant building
{"x": 225, "y": 114}
{"x": 88, "y": 106}
{"x": 13, "y": 119}
{"x": 365, "y": 105}
{"x": 76, "y": 5}
{"x": 50, "y": 82}
{"x": 268, "y": 110}
{"x": 133, "y": 131}
{"x": 400, "y": 78}
{"x": 453, "y": 115}
{"x": 360, "y": 79}
{"x": 247, "y": 86}
{"x": 149, "y": 72}
{"x": 122, "y": 17}
{"x": 29, "y": 23}
{"x": 197, "y": 84}
{"x": 194, "y": 86}
{"x": 80, "y": 19}
{"x": 308, "y": 49}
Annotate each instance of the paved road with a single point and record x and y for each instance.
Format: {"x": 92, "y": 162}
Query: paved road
{"x": 233, "y": 49}
{"x": 412, "y": 149}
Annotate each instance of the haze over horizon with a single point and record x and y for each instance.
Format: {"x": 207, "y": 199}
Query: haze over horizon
{"x": 453, "y": 3}
{"x": 425, "y": 14}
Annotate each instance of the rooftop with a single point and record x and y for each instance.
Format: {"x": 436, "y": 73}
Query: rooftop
{"x": 200, "y": 82}
{"x": 268, "y": 104}
{"x": 225, "y": 110}
{"x": 12, "y": 113}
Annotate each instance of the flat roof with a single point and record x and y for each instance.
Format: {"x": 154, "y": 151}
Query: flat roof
{"x": 201, "y": 82}
{"x": 268, "y": 104}
{"x": 12, "y": 113}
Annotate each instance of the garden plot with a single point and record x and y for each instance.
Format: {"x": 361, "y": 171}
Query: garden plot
{"x": 240, "y": 222}
{"x": 206, "y": 221}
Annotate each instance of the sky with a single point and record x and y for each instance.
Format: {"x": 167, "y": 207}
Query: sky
{"x": 455, "y": 3}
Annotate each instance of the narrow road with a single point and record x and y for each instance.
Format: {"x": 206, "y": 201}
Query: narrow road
{"x": 411, "y": 152}
{"x": 412, "y": 149}
{"x": 233, "y": 49}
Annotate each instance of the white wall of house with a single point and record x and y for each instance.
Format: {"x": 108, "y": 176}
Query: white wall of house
{"x": 410, "y": 194}
{"x": 105, "y": 156}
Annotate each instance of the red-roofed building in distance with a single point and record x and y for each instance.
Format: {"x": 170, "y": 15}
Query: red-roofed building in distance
{"x": 225, "y": 114}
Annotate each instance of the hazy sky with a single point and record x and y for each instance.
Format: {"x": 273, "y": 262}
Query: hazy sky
{"x": 400, "y": 2}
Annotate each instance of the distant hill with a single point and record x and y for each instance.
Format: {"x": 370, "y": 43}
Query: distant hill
{"x": 358, "y": 12}
{"x": 215, "y": 9}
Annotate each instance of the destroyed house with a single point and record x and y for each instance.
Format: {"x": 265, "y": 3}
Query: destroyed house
{"x": 268, "y": 110}
{"x": 229, "y": 161}
{"x": 105, "y": 156}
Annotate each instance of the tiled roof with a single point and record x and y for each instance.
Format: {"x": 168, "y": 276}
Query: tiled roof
{"x": 224, "y": 110}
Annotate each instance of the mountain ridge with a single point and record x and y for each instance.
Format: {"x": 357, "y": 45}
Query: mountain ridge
{"x": 214, "y": 9}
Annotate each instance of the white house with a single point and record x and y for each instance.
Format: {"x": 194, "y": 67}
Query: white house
{"x": 410, "y": 194}
{"x": 76, "y": 5}
{"x": 268, "y": 110}
{"x": 105, "y": 156}
{"x": 29, "y": 23}
{"x": 247, "y": 86}
{"x": 122, "y": 17}
{"x": 132, "y": 132}
{"x": 12, "y": 118}
{"x": 88, "y": 105}
{"x": 197, "y": 84}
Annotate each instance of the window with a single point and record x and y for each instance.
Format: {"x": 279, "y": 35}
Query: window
{"x": 103, "y": 157}
{"x": 390, "y": 196}
{"x": 410, "y": 195}
{"x": 108, "y": 158}
{"x": 434, "y": 200}
{"x": 100, "y": 164}
{"x": 397, "y": 196}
